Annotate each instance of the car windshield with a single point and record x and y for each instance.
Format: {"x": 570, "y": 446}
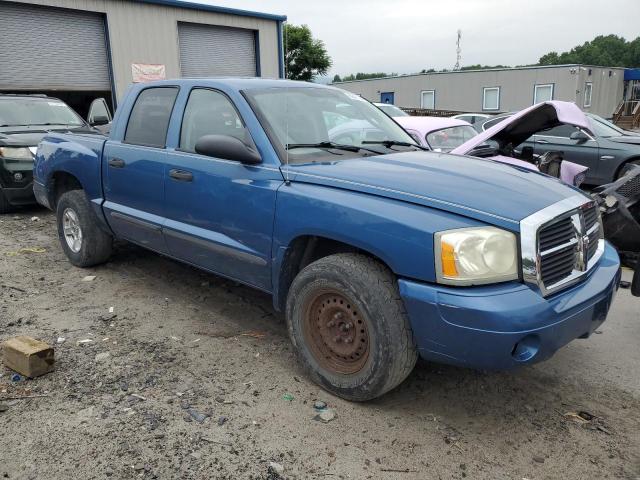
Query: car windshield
{"x": 446, "y": 139}
{"x": 604, "y": 128}
{"x": 303, "y": 121}
{"x": 392, "y": 110}
{"x": 21, "y": 111}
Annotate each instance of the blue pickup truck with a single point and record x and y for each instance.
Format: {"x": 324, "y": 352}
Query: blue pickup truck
{"x": 376, "y": 250}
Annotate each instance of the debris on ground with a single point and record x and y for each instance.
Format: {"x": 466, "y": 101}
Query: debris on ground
{"x": 83, "y": 341}
{"x": 275, "y": 471}
{"x": 319, "y": 405}
{"x": 197, "y": 416}
{"x": 61, "y": 340}
{"x": 15, "y": 377}
{"x": 288, "y": 397}
{"x": 89, "y": 278}
{"x": 28, "y": 356}
{"x": 325, "y": 416}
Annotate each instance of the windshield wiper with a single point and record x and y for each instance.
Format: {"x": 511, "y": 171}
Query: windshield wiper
{"x": 394, "y": 143}
{"x": 330, "y": 145}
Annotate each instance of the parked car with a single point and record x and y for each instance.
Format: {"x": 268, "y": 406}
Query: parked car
{"x": 473, "y": 118}
{"x": 24, "y": 121}
{"x": 491, "y": 121}
{"x": 457, "y": 136}
{"x": 377, "y": 252}
{"x": 391, "y": 110}
{"x": 607, "y": 150}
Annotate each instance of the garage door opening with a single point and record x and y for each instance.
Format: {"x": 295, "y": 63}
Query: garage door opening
{"x": 54, "y": 51}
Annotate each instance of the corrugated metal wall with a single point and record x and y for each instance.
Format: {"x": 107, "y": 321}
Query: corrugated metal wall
{"x": 462, "y": 91}
{"x": 208, "y": 51}
{"x": 50, "y": 48}
{"x": 146, "y": 33}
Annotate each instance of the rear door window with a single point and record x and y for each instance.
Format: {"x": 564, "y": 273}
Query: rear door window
{"x": 149, "y": 119}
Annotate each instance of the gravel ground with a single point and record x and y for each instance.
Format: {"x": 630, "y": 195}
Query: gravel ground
{"x": 193, "y": 376}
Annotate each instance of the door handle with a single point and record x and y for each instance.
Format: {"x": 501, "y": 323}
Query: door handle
{"x": 181, "y": 175}
{"x": 541, "y": 141}
{"x": 116, "y": 163}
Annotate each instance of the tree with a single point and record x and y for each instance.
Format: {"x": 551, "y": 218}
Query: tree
{"x": 336, "y": 78}
{"x": 305, "y": 56}
{"x": 606, "y": 50}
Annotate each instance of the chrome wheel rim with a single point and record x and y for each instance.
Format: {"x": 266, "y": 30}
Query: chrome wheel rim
{"x": 71, "y": 230}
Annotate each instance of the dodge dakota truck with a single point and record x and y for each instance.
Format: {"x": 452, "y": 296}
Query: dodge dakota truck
{"x": 376, "y": 251}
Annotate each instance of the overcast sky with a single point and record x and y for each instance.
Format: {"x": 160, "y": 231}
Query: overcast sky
{"x": 405, "y": 36}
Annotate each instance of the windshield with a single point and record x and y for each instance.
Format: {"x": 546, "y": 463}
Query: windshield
{"x": 604, "y": 128}
{"x": 446, "y": 139}
{"x": 392, "y": 110}
{"x": 36, "y": 111}
{"x": 309, "y": 117}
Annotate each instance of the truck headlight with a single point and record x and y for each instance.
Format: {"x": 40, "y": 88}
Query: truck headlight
{"x": 17, "y": 153}
{"x": 475, "y": 256}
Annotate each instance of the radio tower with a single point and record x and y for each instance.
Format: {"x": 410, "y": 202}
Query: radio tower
{"x": 458, "y": 51}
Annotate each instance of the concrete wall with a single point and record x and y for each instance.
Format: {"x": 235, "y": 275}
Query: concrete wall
{"x": 148, "y": 33}
{"x": 462, "y": 91}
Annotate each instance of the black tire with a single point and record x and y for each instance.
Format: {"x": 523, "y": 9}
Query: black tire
{"x": 95, "y": 245}
{"x": 5, "y": 206}
{"x": 371, "y": 288}
{"x": 626, "y": 167}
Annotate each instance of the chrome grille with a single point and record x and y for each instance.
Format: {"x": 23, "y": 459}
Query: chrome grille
{"x": 561, "y": 243}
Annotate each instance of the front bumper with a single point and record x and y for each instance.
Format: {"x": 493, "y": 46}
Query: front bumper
{"x": 503, "y": 326}
{"x": 20, "y": 195}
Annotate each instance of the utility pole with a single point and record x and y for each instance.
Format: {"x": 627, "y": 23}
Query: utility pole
{"x": 458, "y": 51}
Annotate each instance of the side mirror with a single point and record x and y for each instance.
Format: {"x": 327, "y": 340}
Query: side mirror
{"x": 99, "y": 120}
{"x": 579, "y": 136}
{"x": 228, "y": 148}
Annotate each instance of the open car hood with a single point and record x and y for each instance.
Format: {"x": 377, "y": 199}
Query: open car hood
{"x": 520, "y": 126}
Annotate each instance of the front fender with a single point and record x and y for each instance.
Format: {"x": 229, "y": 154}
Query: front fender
{"x": 398, "y": 233}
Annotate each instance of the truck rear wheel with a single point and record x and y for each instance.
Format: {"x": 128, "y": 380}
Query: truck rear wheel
{"x": 348, "y": 323}
{"x": 84, "y": 243}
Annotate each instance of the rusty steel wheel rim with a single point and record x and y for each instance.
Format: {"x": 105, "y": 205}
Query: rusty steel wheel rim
{"x": 336, "y": 332}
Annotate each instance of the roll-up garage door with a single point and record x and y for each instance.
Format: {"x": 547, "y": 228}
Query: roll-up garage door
{"x": 49, "y": 48}
{"x": 207, "y": 51}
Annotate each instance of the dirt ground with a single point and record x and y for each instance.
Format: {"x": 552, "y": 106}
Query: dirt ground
{"x": 181, "y": 345}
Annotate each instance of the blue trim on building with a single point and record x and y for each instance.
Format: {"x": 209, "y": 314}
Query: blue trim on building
{"x": 216, "y": 9}
{"x": 256, "y": 37}
{"x": 280, "y": 50}
{"x": 631, "y": 74}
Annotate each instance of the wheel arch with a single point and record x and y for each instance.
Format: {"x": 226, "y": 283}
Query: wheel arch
{"x": 305, "y": 249}
{"x": 61, "y": 182}
{"x": 623, "y": 164}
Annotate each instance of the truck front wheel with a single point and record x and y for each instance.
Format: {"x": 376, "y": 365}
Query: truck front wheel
{"x": 83, "y": 241}
{"x": 348, "y": 323}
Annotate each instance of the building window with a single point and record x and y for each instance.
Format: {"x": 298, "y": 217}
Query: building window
{"x": 588, "y": 89}
{"x": 542, "y": 93}
{"x": 428, "y": 99}
{"x": 491, "y": 98}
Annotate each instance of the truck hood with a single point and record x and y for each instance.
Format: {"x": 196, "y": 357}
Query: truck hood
{"x": 486, "y": 190}
{"x": 30, "y": 136}
{"x": 520, "y": 126}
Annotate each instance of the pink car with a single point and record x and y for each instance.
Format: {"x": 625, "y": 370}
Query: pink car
{"x": 501, "y": 141}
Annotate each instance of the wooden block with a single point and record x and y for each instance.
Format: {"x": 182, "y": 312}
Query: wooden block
{"x": 28, "y": 356}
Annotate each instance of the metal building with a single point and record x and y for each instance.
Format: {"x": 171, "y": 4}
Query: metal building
{"x": 78, "y": 50}
{"x": 595, "y": 89}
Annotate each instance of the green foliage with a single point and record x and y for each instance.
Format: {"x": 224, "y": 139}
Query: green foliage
{"x": 336, "y": 78}
{"x": 305, "y": 56}
{"x": 482, "y": 67}
{"x": 365, "y": 76}
{"x": 605, "y": 50}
